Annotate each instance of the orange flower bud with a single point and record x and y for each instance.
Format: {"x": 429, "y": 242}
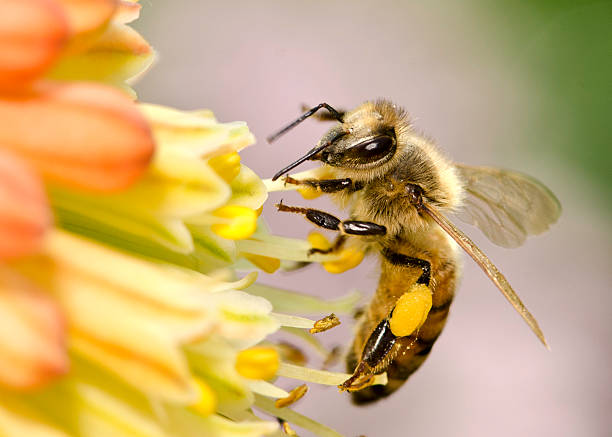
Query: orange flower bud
{"x": 32, "y": 334}
{"x": 127, "y": 12}
{"x": 84, "y": 135}
{"x": 32, "y": 35}
{"x": 24, "y": 212}
{"x": 87, "y": 16}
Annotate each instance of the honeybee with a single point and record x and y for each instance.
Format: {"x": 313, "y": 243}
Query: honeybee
{"x": 398, "y": 189}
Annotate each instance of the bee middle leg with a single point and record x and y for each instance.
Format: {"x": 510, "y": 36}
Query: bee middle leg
{"x": 331, "y": 222}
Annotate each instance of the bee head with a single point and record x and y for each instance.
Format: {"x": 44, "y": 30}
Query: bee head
{"x": 363, "y": 140}
{"x": 357, "y": 146}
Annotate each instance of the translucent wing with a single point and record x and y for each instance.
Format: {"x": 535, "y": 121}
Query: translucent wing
{"x": 507, "y": 206}
{"x": 487, "y": 266}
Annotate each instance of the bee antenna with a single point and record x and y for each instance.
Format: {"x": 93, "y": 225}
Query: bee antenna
{"x": 306, "y": 157}
{"x": 335, "y": 114}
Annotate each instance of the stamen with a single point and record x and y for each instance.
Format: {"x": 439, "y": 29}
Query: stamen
{"x": 265, "y": 263}
{"x": 294, "y": 395}
{"x": 259, "y": 362}
{"x": 207, "y": 404}
{"x": 240, "y": 222}
{"x": 227, "y": 166}
{"x": 325, "y": 324}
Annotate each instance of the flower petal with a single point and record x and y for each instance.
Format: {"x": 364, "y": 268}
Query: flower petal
{"x": 127, "y": 11}
{"x": 143, "y": 312}
{"x": 196, "y": 133}
{"x": 187, "y": 424}
{"x": 83, "y": 134}
{"x": 247, "y": 189}
{"x": 19, "y": 421}
{"x": 31, "y": 334}
{"x": 245, "y": 319}
{"x": 32, "y": 35}
{"x": 24, "y": 212}
{"x": 120, "y": 53}
{"x": 88, "y": 17}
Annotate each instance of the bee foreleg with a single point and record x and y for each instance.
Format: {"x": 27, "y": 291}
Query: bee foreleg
{"x": 328, "y": 221}
{"x": 326, "y": 185}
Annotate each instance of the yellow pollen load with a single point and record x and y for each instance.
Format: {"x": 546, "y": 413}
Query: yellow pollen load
{"x": 259, "y": 362}
{"x": 349, "y": 258}
{"x": 265, "y": 263}
{"x": 318, "y": 241}
{"x": 227, "y": 166}
{"x": 411, "y": 310}
{"x": 309, "y": 193}
{"x": 240, "y": 222}
{"x": 207, "y": 404}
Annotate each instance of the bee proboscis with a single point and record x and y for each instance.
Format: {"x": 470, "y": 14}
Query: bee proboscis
{"x": 398, "y": 189}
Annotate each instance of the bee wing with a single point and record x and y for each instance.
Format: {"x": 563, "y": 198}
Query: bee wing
{"x": 507, "y": 206}
{"x": 487, "y": 266}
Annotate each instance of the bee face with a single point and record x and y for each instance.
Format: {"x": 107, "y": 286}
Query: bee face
{"x": 358, "y": 147}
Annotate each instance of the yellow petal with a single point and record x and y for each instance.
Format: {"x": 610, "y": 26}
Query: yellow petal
{"x": 265, "y": 263}
{"x": 119, "y": 54}
{"x": 50, "y": 127}
{"x": 207, "y": 403}
{"x": 31, "y": 334}
{"x": 239, "y": 222}
{"x": 213, "y": 360}
{"x": 259, "y": 362}
{"x": 227, "y": 165}
{"x": 247, "y": 189}
{"x": 24, "y": 212}
{"x": 196, "y": 133}
{"x": 19, "y": 421}
{"x": 245, "y": 320}
{"x": 143, "y": 313}
{"x": 32, "y": 35}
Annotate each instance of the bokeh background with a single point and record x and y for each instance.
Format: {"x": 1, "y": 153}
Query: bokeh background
{"x": 518, "y": 84}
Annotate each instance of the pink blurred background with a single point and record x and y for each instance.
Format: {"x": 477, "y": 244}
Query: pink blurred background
{"x": 455, "y": 68}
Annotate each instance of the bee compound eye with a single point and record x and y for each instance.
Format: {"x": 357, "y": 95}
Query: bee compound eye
{"x": 371, "y": 150}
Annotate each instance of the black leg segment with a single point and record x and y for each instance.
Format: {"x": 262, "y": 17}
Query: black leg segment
{"x": 379, "y": 344}
{"x": 340, "y": 239}
{"x": 328, "y": 221}
{"x": 355, "y": 227}
{"x": 399, "y": 259}
{"x": 326, "y": 185}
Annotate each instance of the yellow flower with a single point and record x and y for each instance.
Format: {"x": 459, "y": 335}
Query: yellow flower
{"x": 125, "y": 315}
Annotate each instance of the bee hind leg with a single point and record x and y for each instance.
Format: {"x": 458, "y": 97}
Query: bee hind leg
{"x": 377, "y": 353}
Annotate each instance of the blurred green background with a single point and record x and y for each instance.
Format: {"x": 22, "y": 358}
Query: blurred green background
{"x": 565, "y": 47}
